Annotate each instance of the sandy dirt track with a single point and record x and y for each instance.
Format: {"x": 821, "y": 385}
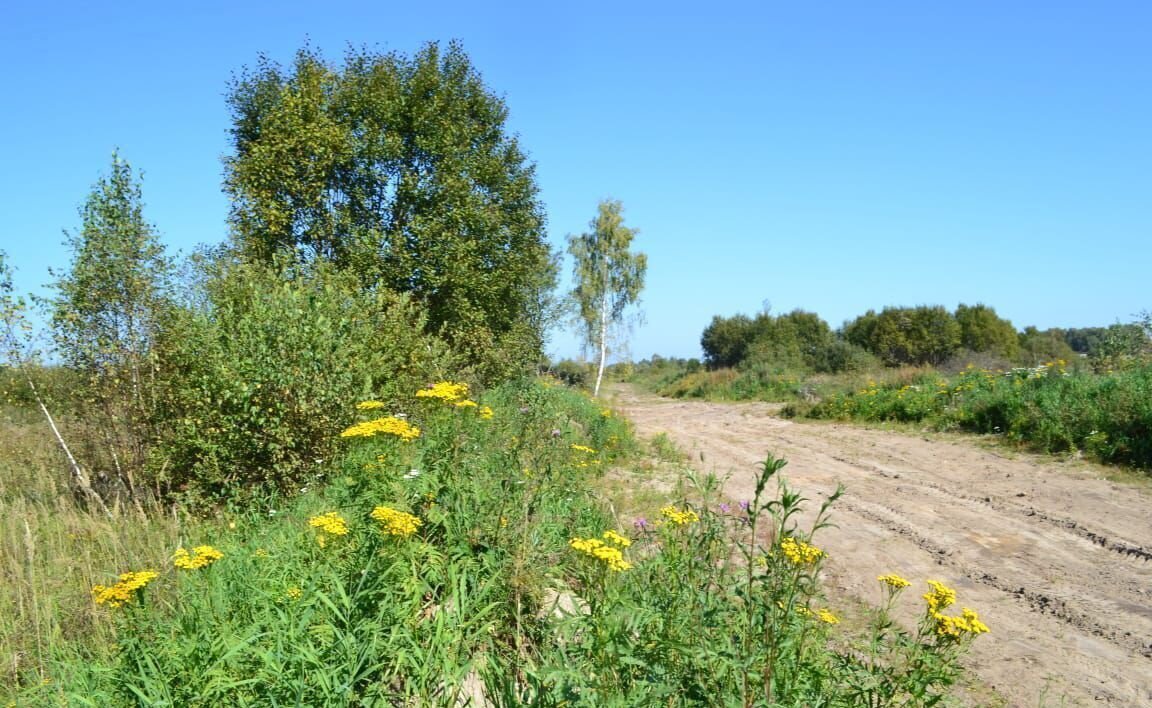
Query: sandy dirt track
{"x": 1057, "y": 561}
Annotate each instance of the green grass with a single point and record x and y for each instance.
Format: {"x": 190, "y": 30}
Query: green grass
{"x": 1047, "y": 408}
{"x": 696, "y": 600}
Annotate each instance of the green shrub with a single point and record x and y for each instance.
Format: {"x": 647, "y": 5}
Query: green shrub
{"x": 259, "y": 377}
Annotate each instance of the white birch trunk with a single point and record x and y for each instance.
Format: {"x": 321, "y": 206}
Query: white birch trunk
{"x": 603, "y": 345}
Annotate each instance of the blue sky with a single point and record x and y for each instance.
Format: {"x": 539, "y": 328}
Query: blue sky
{"x": 833, "y": 156}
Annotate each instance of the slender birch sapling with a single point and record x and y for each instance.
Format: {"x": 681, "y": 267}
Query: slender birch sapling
{"x": 608, "y": 276}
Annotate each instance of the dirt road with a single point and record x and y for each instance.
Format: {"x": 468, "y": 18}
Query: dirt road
{"x": 1057, "y": 561}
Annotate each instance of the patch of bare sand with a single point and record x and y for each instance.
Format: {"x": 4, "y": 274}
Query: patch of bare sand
{"x": 1057, "y": 561}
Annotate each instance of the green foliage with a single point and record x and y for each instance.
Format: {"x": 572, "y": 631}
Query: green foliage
{"x": 608, "y": 277}
{"x": 1122, "y": 346}
{"x": 981, "y": 330}
{"x": 259, "y": 376}
{"x": 400, "y": 170}
{"x": 726, "y": 340}
{"x": 12, "y": 318}
{"x": 1037, "y": 347}
{"x": 797, "y": 341}
{"x": 906, "y": 335}
{"x": 107, "y": 314}
{"x": 1046, "y": 407}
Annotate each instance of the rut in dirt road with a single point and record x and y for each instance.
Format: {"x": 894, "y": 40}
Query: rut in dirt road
{"x": 1058, "y": 560}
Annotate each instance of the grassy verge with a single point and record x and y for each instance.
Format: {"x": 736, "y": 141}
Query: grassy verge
{"x": 457, "y": 551}
{"x": 1047, "y": 408}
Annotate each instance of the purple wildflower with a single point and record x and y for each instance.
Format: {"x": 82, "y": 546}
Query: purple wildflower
{"x": 640, "y": 523}
{"x": 724, "y": 508}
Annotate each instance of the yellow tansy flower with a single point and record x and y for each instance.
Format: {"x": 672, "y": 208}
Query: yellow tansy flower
{"x": 124, "y": 591}
{"x": 893, "y": 581}
{"x": 445, "y": 391}
{"x": 396, "y": 523}
{"x": 200, "y": 557}
{"x": 390, "y": 426}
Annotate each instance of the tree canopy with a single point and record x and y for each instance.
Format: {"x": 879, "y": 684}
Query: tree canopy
{"x": 400, "y": 169}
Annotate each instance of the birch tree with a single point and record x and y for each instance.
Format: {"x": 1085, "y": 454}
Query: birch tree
{"x": 107, "y": 313}
{"x": 608, "y": 276}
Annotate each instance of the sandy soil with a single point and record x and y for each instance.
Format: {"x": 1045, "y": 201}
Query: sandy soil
{"x": 1057, "y": 561}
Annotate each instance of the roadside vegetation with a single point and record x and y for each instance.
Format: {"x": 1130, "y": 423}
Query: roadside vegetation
{"x": 456, "y": 551}
{"x": 1081, "y": 390}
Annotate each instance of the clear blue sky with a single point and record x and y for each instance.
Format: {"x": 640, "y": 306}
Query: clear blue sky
{"x": 834, "y": 156}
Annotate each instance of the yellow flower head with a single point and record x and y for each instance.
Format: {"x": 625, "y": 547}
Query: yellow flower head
{"x": 584, "y": 448}
{"x": 941, "y": 597}
{"x": 390, "y": 425}
{"x": 330, "y": 524}
{"x": 486, "y": 412}
{"x": 445, "y": 391}
{"x": 124, "y": 591}
{"x": 200, "y": 557}
{"x": 974, "y": 625}
{"x": 679, "y": 518}
{"x": 396, "y": 523}
{"x": 612, "y": 537}
{"x": 611, "y": 557}
{"x": 799, "y": 552}
{"x": 894, "y": 581}
{"x": 369, "y": 405}
{"x": 466, "y": 403}
{"x": 827, "y": 617}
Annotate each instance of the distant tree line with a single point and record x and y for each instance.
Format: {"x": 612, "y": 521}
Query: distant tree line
{"x": 920, "y": 335}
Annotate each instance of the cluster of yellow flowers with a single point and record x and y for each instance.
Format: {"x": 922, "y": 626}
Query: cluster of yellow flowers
{"x": 893, "y": 581}
{"x": 330, "y": 524}
{"x": 608, "y": 554}
{"x": 369, "y": 405}
{"x": 968, "y": 622}
{"x": 680, "y": 518}
{"x": 390, "y": 425}
{"x": 200, "y": 557}
{"x": 485, "y": 412}
{"x": 445, "y": 391}
{"x": 123, "y": 591}
{"x": 396, "y": 523}
{"x": 941, "y": 597}
{"x": 584, "y": 448}
{"x": 799, "y": 552}
{"x": 612, "y": 537}
{"x": 824, "y": 615}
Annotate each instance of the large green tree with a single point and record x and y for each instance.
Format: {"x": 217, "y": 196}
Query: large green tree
{"x": 401, "y": 169}
{"x": 608, "y": 277}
